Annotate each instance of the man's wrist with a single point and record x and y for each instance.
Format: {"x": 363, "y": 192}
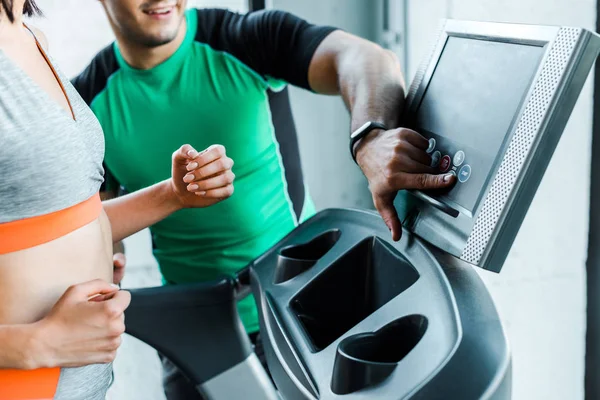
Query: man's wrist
{"x": 358, "y": 136}
{"x": 364, "y": 142}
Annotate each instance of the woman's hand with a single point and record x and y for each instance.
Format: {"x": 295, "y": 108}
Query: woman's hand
{"x": 202, "y": 179}
{"x": 84, "y": 327}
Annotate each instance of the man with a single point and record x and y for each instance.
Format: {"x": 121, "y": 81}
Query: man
{"x": 201, "y": 76}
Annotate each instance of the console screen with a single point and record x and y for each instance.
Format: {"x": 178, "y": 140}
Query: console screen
{"x": 468, "y": 109}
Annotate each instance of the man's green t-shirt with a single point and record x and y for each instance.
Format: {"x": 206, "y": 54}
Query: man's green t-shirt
{"x": 224, "y": 85}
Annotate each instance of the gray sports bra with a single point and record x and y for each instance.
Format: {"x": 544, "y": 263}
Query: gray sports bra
{"x": 48, "y": 161}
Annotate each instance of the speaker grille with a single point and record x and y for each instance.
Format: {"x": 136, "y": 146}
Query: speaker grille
{"x": 518, "y": 150}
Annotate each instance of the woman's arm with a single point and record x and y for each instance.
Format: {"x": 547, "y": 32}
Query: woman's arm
{"x": 84, "y": 327}
{"x": 132, "y": 213}
{"x": 197, "y": 180}
{"x": 15, "y": 348}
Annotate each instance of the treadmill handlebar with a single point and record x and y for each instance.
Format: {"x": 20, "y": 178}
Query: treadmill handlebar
{"x": 186, "y": 320}
{"x": 242, "y": 283}
{"x": 443, "y": 207}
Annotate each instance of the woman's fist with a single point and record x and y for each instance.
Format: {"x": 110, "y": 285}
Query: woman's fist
{"x": 202, "y": 179}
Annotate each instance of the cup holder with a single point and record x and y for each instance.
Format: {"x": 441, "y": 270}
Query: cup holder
{"x": 367, "y": 359}
{"x": 355, "y": 286}
{"x": 294, "y": 260}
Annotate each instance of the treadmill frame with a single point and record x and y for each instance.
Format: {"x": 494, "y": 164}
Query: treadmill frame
{"x": 484, "y": 238}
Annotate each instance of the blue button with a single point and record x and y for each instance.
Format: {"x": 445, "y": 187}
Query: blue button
{"x": 464, "y": 173}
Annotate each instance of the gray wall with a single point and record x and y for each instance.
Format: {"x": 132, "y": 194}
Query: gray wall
{"x": 541, "y": 291}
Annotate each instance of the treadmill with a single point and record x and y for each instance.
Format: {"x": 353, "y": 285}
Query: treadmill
{"x": 345, "y": 312}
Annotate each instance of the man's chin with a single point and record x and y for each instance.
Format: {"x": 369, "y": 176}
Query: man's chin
{"x": 157, "y": 41}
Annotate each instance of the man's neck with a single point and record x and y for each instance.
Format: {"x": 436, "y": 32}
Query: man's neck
{"x": 142, "y": 57}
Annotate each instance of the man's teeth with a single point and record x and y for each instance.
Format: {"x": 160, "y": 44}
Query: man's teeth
{"x": 160, "y": 11}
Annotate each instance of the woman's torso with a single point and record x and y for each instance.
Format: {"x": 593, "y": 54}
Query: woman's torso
{"x": 50, "y": 164}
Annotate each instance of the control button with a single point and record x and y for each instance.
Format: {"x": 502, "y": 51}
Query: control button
{"x": 465, "y": 173}
{"x": 431, "y": 147}
{"x": 445, "y": 163}
{"x": 435, "y": 158}
{"x": 459, "y": 158}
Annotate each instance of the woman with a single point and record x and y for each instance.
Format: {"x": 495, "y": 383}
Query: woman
{"x": 60, "y": 319}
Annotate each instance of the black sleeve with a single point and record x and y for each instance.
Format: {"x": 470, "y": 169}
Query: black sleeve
{"x": 93, "y": 79}
{"x": 273, "y": 43}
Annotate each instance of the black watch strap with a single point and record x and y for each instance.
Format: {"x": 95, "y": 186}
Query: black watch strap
{"x": 361, "y": 133}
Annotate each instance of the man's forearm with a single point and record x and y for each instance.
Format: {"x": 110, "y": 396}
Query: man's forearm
{"x": 368, "y": 77}
{"x": 136, "y": 211}
{"x": 16, "y": 347}
{"x": 371, "y": 85}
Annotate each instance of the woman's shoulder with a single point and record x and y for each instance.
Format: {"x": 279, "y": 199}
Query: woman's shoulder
{"x": 40, "y": 36}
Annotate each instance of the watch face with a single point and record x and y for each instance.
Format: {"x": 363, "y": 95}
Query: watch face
{"x": 361, "y": 129}
{"x": 366, "y": 126}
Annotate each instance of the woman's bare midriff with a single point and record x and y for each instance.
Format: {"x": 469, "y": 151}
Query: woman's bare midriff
{"x": 32, "y": 280}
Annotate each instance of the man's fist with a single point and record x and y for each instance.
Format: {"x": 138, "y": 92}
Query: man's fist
{"x": 202, "y": 179}
{"x": 395, "y": 160}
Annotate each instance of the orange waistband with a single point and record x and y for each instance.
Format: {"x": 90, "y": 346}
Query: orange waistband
{"x": 31, "y": 232}
{"x": 39, "y": 384}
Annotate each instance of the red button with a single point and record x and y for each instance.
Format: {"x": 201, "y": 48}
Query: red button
{"x": 445, "y": 163}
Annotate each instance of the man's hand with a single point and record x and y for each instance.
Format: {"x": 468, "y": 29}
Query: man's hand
{"x": 370, "y": 81}
{"x": 395, "y": 160}
{"x": 202, "y": 179}
{"x": 84, "y": 327}
{"x": 119, "y": 261}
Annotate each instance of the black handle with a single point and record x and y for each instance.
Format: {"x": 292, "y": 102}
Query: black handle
{"x": 435, "y": 203}
{"x": 191, "y": 324}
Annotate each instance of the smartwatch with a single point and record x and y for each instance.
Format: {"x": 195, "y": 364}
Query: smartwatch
{"x": 361, "y": 133}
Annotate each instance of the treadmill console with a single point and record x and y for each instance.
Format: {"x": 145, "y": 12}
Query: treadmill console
{"x": 491, "y": 80}
{"x": 493, "y": 100}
